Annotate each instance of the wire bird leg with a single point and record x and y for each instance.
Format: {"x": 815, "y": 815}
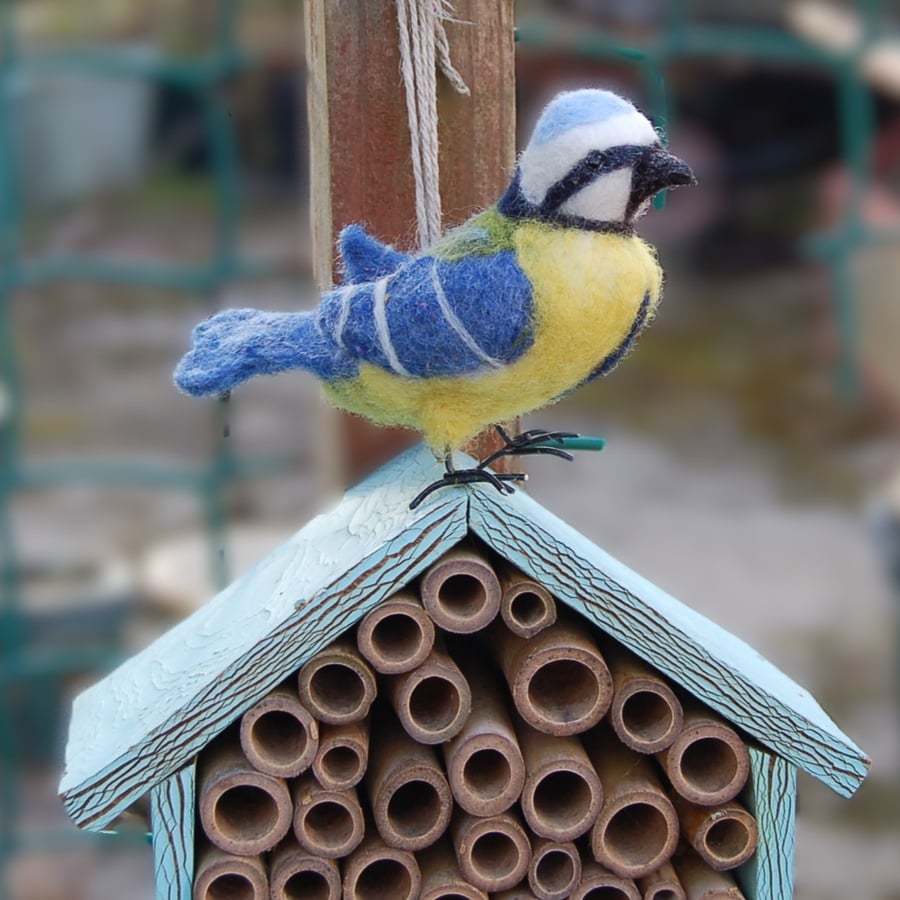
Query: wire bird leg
{"x": 529, "y": 443}
{"x": 532, "y": 442}
{"x": 469, "y": 476}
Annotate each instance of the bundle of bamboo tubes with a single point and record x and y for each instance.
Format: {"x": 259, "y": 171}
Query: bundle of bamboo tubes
{"x": 470, "y": 739}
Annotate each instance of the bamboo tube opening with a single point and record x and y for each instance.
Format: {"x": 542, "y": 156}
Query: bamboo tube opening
{"x": 598, "y": 883}
{"x": 462, "y": 596}
{"x": 564, "y": 802}
{"x": 495, "y": 855}
{"x": 341, "y": 765}
{"x": 328, "y": 825}
{"x": 606, "y": 892}
{"x": 223, "y": 876}
{"x": 308, "y": 885}
{"x": 342, "y": 755}
{"x": 564, "y": 691}
{"x": 246, "y": 813}
{"x": 298, "y": 874}
{"x": 662, "y": 893}
{"x": 398, "y": 638}
{"x": 648, "y": 719}
{"x": 728, "y": 841}
{"x": 278, "y": 735}
{"x": 230, "y": 886}
{"x": 415, "y": 809}
{"x": 487, "y": 773}
{"x": 461, "y": 592}
{"x": 382, "y": 878}
{"x": 638, "y": 837}
{"x": 528, "y": 612}
{"x": 283, "y": 739}
{"x": 555, "y": 872}
{"x": 337, "y": 688}
{"x": 435, "y": 704}
{"x": 709, "y": 765}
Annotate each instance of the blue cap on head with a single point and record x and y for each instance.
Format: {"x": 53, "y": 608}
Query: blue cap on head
{"x": 575, "y": 108}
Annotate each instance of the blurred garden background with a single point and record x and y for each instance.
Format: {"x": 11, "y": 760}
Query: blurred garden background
{"x": 154, "y": 167}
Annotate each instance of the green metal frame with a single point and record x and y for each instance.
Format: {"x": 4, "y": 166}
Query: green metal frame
{"x": 681, "y": 39}
{"x": 19, "y": 663}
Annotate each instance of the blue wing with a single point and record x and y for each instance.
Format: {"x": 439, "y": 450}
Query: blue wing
{"x": 431, "y": 317}
{"x": 364, "y": 258}
{"x": 436, "y": 317}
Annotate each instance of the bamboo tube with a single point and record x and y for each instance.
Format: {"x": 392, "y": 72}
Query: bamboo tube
{"x": 397, "y": 635}
{"x": 708, "y": 763}
{"x": 554, "y": 870}
{"x": 702, "y": 883}
{"x": 242, "y": 811}
{"x": 343, "y": 755}
{"x": 484, "y": 763}
{"x": 663, "y": 884}
{"x": 562, "y": 795}
{"x": 519, "y": 892}
{"x": 278, "y": 735}
{"x": 433, "y": 701}
{"x": 637, "y": 829}
{"x": 221, "y": 874}
{"x": 526, "y": 607}
{"x": 724, "y": 836}
{"x": 493, "y": 853}
{"x": 461, "y": 592}
{"x": 597, "y": 882}
{"x": 375, "y": 871}
{"x": 441, "y": 877}
{"x": 645, "y": 713}
{"x": 407, "y": 790}
{"x": 296, "y": 873}
{"x": 328, "y": 823}
{"x": 559, "y": 681}
{"x": 336, "y": 685}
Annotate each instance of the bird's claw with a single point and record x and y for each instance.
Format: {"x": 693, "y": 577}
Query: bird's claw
{"x": 530, "y": 443}
{"x": 499, "y": 480}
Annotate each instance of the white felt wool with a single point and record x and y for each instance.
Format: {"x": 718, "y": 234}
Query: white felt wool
{"x": 543, "y": 164}
{"x": 603, "y": 200}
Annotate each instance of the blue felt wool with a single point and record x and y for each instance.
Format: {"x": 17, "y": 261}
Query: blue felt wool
{"x": 575, "y": 108}
{"x": 363, "y": 258}
{"x": 515, "y": 308}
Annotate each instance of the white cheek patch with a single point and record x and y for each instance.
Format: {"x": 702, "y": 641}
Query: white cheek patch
{"x": 603, "y": 200}
{"x": 542, "y": 165}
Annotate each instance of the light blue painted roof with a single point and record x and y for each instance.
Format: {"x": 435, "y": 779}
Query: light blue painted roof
{"x": 149, "y": 717}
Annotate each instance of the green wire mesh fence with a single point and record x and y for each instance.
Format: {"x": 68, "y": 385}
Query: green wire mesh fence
{"x": 23, "y": 666}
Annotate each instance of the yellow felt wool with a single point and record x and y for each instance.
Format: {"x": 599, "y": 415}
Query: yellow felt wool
{"x": 588, "y": 289}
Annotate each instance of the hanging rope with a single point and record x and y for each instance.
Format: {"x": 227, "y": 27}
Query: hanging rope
{"x": 423, "y": 47}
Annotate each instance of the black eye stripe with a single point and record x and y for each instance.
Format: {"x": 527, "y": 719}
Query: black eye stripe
{"x": 588, "y": 169}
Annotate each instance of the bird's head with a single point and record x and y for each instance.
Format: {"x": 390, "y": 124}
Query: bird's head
{"x": 593, "y": 161}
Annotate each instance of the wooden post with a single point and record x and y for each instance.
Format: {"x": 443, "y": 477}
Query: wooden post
{"x": 360, "y": 154}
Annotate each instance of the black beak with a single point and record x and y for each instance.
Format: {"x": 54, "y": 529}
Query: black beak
{"x": 656, "y": 171}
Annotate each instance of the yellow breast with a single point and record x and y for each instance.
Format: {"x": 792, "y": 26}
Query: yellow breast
{"x": 588, "y": 288}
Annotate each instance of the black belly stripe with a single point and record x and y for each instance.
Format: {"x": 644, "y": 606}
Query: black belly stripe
{"x": 613, "y": 359}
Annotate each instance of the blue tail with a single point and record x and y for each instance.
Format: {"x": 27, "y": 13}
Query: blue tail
{"x": 237, "y": 344}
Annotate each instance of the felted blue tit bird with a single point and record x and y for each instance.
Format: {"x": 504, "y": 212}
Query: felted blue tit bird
{"x": 537, "y": 295}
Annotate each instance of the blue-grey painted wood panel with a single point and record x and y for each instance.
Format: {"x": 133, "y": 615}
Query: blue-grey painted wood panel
{"x": 772, "y": 797}
{"x": 172, "y": 815}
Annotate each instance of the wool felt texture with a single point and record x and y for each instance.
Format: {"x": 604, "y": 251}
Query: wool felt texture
{"x": 509, "y": 312}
